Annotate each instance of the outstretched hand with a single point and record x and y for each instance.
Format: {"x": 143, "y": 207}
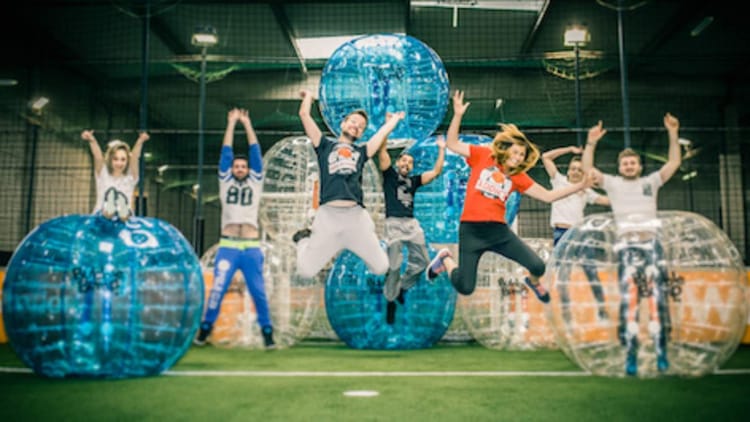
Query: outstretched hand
{"x": 671, "y": 122}
{"x": 459, "y": 106}
{"x": 440, "y": 142}
{"x": 399, "y": 115}
{"x": 88, "y": 136}
{"x": 596, "y": 133}
{"x": 306, "y": 93}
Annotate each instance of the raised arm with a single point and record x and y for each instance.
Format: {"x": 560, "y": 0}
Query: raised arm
{"x": 541, "y": 193}
{"x": 452, "y": 142}
{"x": 244, "y": 118}
{"x": 311, "y": 128}
{"x": 384, "y": 159}
{"x": 374, "y": 143}
{"x": 596, "y": 133}
{"x": 135, "y": 154}
{"x": 548, "y": 158}
{"x": 232, "y": 117}
{"x": 430, "y": 175}
{"x": 96, "y": 150}
{"x": 674, "y": 159}
{"x": 255, "y": 157}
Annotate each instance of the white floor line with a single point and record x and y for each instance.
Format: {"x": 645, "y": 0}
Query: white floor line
{"x": 356, "y": 374}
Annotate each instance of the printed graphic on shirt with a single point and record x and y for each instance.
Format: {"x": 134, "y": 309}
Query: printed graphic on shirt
{"x": 493, "y": 184}
{"x": 343, "y": 159}
{"x": 648, "y": 189}
{"x": 403, "y": 191}
{"x": 239, "y": 193}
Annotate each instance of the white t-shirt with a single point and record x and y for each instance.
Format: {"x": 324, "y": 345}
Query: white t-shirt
{"x": 569, "y": 210}
{"x": 633, "y": 201}
{"x": 104, "y": 181}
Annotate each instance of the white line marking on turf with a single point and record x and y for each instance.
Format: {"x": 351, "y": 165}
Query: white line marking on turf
{"x": 377, "y": 374}
{"x": 361, "y": 393}
{"x": 16, "y": 370}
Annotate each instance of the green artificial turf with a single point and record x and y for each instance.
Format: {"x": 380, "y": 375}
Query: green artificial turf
{"x": 182, "y": 395}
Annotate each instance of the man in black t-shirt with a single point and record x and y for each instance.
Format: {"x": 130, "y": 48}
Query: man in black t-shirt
{"x": 341, "y": 221}
{"x": 401, "y": 228}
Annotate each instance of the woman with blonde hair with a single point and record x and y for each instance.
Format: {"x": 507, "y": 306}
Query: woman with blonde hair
{"x": 496, "y": 172}
{"x": 116, "y": 173}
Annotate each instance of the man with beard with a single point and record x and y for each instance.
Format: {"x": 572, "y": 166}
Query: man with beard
{"x": 240, "y": 187}
{"x": 341, "y": 221}
{"x": 642, "y": 271}
{"x": 401, "y": 228}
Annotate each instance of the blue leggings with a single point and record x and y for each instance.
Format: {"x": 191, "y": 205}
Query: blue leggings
{"x": 250, "y": 262}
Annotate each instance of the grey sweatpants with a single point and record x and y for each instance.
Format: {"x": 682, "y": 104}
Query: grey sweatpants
{"x": 335, "y": 229}
{"x": 403, "y": 232}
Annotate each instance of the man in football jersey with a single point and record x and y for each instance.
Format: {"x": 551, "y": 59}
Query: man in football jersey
{"x": 240, "y": 187}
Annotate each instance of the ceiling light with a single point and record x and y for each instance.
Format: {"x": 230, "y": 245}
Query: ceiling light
{"x": 576, "y": 36}
{"x": 38, "y": 104}
{"x": 520, "y": 5}
{"x": 205, "y": 36}
{"x": 321, "y": 47}
{"x": 702, "y": 25}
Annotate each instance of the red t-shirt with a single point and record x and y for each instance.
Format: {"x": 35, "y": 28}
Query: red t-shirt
{"x": 489, "y": 187}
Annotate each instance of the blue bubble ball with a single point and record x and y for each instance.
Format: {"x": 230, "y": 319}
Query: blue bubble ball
{"x": 385, "y": 73}
{"x": 88, "y": 297}
{"x": 439, "y": 204}
{"x": 356, "y": 308}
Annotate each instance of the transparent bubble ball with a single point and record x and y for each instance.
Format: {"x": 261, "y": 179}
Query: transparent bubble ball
{"x": 88, "y": 297}
{"x": 356, "y": 308}
{"x": 503, "y": 313}
{"x": 700, "y": 318}
{"x": 293, "y": 302}
{"x": 439, "y": 204}
{"x": 385, "y": 73}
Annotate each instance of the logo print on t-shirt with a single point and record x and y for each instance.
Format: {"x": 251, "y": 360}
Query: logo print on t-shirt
{"x": 648, "y": 190}
{"x": 493, "y": 184}
{"x": 403, "y": 191}
{"x": 343, "y": 159}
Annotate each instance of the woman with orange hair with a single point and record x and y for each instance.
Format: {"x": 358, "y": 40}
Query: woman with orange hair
{"x": 497, "y": 170}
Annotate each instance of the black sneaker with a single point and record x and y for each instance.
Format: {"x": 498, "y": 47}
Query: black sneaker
{"x": 390, "y": 313}
{"x": 203, "y": 334}
{"x": 301, "y": 234}
{"x": 401, "y": 299}
{"x": 268, "y": 337}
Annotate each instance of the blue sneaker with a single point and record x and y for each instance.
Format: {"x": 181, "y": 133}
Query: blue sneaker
{"x": 662, "y": 364}
{"x": 437, "y": 265}
{"x": 541, "y": 293}
{"x": 631, "y": 364}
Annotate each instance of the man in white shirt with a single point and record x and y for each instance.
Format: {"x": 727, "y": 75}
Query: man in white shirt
{"x": 568, "y": 212}
{"x": 641, "y": 269}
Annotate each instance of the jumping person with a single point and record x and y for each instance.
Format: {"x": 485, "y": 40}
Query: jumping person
{"x": 341, "y": 221}
{"x": 401, "y": 228}
{"x": 496, "y": 171}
